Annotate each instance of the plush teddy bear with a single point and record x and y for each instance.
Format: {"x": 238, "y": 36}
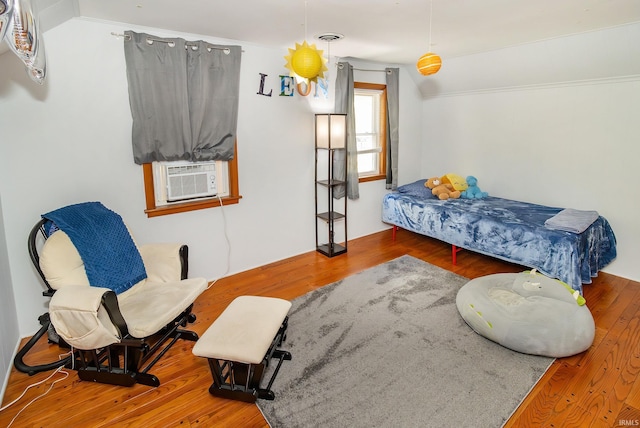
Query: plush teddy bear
{"x": 473, "y": 191}
{"x": 442, "y": 190}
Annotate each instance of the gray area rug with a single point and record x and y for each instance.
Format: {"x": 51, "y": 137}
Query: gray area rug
{"x": 387, "y": 348}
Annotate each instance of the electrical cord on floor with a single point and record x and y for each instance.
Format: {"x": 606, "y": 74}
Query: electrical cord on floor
{"x": 58, "y": 370}
{"x": 226, "y": 237}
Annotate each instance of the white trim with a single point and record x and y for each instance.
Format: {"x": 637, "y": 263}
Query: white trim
{"x": 538, "y": 86}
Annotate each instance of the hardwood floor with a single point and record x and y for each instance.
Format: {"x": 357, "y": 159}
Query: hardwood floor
{"x": 597, "y": 388}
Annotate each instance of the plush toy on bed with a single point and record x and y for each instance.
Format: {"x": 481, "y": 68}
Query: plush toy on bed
{"x": 442, "y": 190}
{"x": 456, "y": 181}
{"x": 473, "y": 191}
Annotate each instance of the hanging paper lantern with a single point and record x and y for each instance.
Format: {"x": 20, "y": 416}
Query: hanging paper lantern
{"x": 306, "y": 62}
{"x": 429, "y": 63}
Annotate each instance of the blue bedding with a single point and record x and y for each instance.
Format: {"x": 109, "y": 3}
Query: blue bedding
{"x": 510, "y": 230}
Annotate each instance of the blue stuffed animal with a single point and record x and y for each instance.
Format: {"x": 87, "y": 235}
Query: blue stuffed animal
{"x": 473, "y": 191}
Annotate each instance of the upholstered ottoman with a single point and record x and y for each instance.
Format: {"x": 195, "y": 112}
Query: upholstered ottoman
{"x": 527, "y": 312}
{"x": 241, "y": 342}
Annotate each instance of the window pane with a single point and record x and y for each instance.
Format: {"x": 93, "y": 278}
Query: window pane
{"x": 368, "y": 164}
{"x": 363, "y": 106}
{"x": 365, "y": 142}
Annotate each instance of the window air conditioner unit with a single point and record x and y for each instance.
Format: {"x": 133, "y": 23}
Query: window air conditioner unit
{"x": 187, "y": 180}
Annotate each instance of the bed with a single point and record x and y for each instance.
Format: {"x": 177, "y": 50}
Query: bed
{"x": 506, "y": 229}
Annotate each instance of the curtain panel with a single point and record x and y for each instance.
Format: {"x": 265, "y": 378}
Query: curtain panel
{"x": 184, "y": 98}
{"x": 393, "y": 117}
{"x": 344, "y": 104}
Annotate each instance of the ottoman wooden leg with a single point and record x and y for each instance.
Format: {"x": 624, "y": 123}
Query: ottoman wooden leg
{"x": 240, "y": 344}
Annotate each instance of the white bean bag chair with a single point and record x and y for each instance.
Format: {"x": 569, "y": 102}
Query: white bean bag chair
{"x": 527, "y": 312}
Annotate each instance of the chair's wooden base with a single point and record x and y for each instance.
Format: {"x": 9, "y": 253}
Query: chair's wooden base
{"x": 241, "y": 381}
{"x": 114, "y": 376}
{"x": 126, "y": 363}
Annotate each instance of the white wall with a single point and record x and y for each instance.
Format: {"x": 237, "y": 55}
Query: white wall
{"x": 69, "y": 141}
{"x": 565, "y": 143}
{"x": 8, "y": 316}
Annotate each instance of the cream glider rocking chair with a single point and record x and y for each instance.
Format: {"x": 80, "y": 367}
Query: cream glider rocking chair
{"x": 117, "y": 304}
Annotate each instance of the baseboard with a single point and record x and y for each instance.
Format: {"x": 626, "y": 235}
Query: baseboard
{"x": 5, "y": 380}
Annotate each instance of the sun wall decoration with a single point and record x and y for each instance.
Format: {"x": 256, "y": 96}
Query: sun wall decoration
{"x": 306, "y": 63}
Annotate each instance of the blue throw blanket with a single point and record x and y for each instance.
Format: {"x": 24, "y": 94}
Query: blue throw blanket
{"x": 110, "y": 256}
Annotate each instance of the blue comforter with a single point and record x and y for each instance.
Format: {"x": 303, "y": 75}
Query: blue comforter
{"x": 506, "y": 229}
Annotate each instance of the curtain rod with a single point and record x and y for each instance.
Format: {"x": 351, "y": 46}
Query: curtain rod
{"x": 341, "y": 66}
{"x": 171, "y": 43}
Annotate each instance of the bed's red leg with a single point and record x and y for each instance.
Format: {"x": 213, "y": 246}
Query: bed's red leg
{"x": 454, "y": 253}
{"x": 393, "y": 233}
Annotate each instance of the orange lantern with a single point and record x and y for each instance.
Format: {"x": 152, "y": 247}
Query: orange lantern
{"x": 429, "y": 63}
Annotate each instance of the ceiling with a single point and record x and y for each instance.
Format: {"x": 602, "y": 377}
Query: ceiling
{"x": 387, "y": 31}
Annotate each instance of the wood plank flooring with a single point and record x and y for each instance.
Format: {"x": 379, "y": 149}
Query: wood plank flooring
{"x": 597, "y": 388}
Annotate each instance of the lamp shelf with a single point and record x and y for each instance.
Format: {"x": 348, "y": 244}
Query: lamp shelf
{"x": 330, "y": 183}
{"x": 331, "y": 250}
{"x": 330, "y": 216}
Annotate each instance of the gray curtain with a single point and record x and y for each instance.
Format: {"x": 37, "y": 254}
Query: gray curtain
{"x": 184, "y": 98}
{"x": 392, "y": 127}
{"x": 344, "y": 104}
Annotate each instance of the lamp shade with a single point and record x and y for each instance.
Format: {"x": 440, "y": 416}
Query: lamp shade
{"x": 331, "y": 131}
{"x": 429, "y": 63}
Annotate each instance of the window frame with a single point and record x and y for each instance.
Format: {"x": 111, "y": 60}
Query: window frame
{"x": 382, "y": 161}
{"x": 197, "y": 204}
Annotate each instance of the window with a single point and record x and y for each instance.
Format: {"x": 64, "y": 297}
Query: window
{"x": 370, "y": 105}
{"x": 164, "y": 198}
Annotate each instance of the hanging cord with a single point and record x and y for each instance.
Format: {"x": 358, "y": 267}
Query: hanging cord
{"x": 430, "y": 20}
{"x": 305, "y": 20}
{"x": 226, "y": 237}
{"x": 58, "y": 370}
